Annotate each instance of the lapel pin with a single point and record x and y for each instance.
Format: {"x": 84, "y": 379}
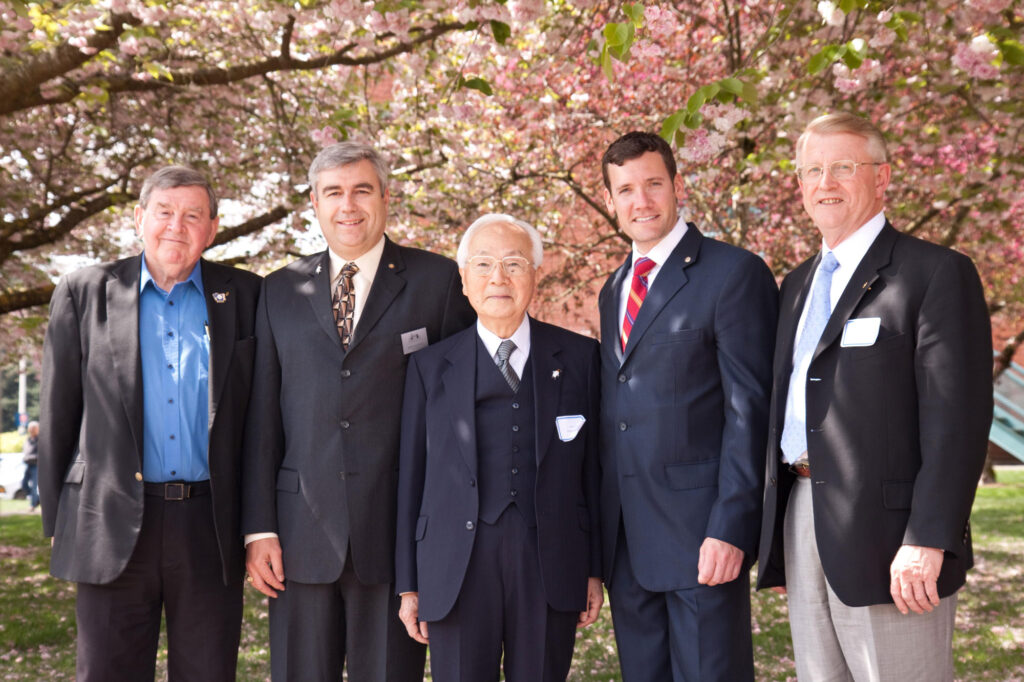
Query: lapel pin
{"x": 555, "y": 374}
{"x": 319, "y": 269}
{"x": 687, "y": 259}
{"x": 391, "y": 266}
{"x": 220, "y": 296}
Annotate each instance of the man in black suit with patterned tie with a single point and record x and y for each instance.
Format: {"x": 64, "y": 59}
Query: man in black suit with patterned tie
{"x": 334, "y": 332}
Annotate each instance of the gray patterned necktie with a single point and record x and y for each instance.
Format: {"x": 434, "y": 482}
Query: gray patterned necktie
{"x": 344, "y": 303}
{"x": 504, "y": 351}
{"x": 794, "y": 429}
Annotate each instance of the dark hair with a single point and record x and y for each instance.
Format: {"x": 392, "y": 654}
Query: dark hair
{"x": 170, "y": 177}
{"x": 634, "y": 145}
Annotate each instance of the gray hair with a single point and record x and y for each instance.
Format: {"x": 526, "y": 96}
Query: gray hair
{"x": 842, "y": 122}
{"x": 344, "y": 153}
{"x": 31, "y": 424}
{"x": 170, "y": 177}
{"x": 492, "y": 218}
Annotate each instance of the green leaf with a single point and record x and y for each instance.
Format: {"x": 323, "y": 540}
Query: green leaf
{"x": 621, "y": 52}
{"x": 501, "y": 31}
{"x": 696, "y": 100}
{"x": 732, "y": 85}
{"x": 1013, "y": 52}
{"x": 852, "y": 59}
{"x": 476, "y": 83}
{"x": 847, "y": 5}
{"x": 818, "y": 63}
{"x": 671, "y": 125}
{"x": 749, "y": 94}
{"x": 693, "y": 121}
{"x": 616, "y": 34}
{"x": 606, "y": 64}
{"x": 635, "y": 11}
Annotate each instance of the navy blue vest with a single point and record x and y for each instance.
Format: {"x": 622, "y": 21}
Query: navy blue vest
{"x": 505, "y": 440}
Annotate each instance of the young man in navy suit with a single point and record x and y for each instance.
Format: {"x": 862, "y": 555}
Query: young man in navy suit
{"x": 687, "y": 329}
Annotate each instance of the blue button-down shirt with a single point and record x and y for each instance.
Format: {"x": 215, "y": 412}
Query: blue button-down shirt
{"x": 174, "y": 341}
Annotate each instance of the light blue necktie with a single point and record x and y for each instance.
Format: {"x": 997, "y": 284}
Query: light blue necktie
{"x": 794, "y": 431}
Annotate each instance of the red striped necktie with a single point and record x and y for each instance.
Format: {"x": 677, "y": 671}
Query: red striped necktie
{"x": 637, "y": 294}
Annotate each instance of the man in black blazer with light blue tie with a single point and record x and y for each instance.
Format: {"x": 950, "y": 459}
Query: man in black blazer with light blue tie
{"x": 497, "y": 544}
{"x": 685, "y": 378}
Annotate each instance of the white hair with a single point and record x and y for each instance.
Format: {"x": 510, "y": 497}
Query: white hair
{"x": 492, "y": 218}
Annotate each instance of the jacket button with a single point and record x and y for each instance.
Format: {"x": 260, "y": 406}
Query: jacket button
{"x": 138, "y": 476}
{"x": 346, "y": 373}
{"x": 470, "y": 525}
{"x": 344, "y": 424}
{"x": 622, "y": 426}
{"x": 623, "y": 378}
{"x": 472, "y": 483}
{"x": 341, "y": 475}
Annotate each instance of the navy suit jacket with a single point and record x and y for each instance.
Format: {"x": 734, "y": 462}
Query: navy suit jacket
{"x": 438, "y": 498}
{"x": 90, "y": 426}
{"x": 897, "y": 430}
{"x": 684, "y": 410}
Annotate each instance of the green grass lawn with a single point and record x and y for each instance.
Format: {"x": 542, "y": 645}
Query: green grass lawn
{"x": 37, "y": 612}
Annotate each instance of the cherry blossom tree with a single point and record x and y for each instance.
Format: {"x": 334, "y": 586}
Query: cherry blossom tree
{"x": 492, "y": 106}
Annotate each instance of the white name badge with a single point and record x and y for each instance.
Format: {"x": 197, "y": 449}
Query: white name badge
{"x": 569, "y": 426}
{"x": 414, "y": 340}
{"x": 859, "y": 332}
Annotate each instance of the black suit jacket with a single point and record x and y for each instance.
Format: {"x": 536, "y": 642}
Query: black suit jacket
{"x": 91, "y": 422}
{"x": 897, "y": 430}
{"x": 323, "y": 427}
{"x": 684, "y": 411}
{"x": 438, "y": 499}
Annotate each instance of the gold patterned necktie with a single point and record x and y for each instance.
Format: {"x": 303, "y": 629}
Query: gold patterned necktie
{"x": 344, "y": 303}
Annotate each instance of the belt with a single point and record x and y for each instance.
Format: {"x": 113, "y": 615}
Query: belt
{"x": 178, "y": 490}
{"x": 801, "y": 468}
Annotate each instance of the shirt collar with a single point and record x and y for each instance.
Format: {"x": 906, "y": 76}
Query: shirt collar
{"x": 520, "y": 337}
{"x": 660, "y": 252}
{"x": 851, "y": 250}
{"x": 367, "y": 262}
{"x": 195, "y": 277}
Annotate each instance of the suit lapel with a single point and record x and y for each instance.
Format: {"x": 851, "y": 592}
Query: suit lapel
{"x": 123, "y": 335}
{"x": 387, "y": 283}
{"x": 671, "y": 278}
{"x": 790, "y": 311}
{"x": 459, "y": 382}
{"x": 317, "y": 291}
{"x": 221, "y": 303}
{"x": 878, "y": 256}
{"x": 610, "y": 322}
{"x": 547, "y": 384}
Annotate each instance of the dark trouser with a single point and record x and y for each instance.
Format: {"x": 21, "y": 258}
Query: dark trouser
{"x": 175, "y": 566}
{"x": 316, "y": 629}
{"x": 701, "y": 634}
{"x": 502, "y": 604}
{"x": 30, "y": 484}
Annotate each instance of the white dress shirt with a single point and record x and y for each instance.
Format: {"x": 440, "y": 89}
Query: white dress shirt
{"x": 521, "y": 337}
{"x": 362, "y": 280}
{"x": 659, "y": 253}
{"x": 849, "y": 253}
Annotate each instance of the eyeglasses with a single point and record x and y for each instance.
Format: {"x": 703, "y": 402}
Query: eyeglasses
{"x": 483, "y": 266}
{"x": 839, "y": 170}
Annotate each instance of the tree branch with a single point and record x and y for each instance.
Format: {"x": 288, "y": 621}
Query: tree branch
{"x": 32, "y": 96}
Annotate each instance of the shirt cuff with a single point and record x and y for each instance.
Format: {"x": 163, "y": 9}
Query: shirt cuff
{"x": 252, "y": 537}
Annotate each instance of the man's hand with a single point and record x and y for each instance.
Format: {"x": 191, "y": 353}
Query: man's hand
{"x": 912, "y": 578}
{"x": 595, "y": 597}
{"x": 264, "y": 565}
{"x": 719, "y": 562}
{"x": 409, "y": 614}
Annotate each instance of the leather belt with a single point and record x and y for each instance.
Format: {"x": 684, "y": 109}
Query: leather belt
{"x": 178, "y": 490}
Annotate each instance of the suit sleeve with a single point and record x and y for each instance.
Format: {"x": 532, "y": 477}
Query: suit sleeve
{"x": 60, "y": 400}
{"x": 745, "y": 323}
{"x": 953, "y": 371}
{"x": 412, "y": 461}
{"x": 458, "y": 314}
{"x": 592, "y": 463}
{"x": 263, "y": 445}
